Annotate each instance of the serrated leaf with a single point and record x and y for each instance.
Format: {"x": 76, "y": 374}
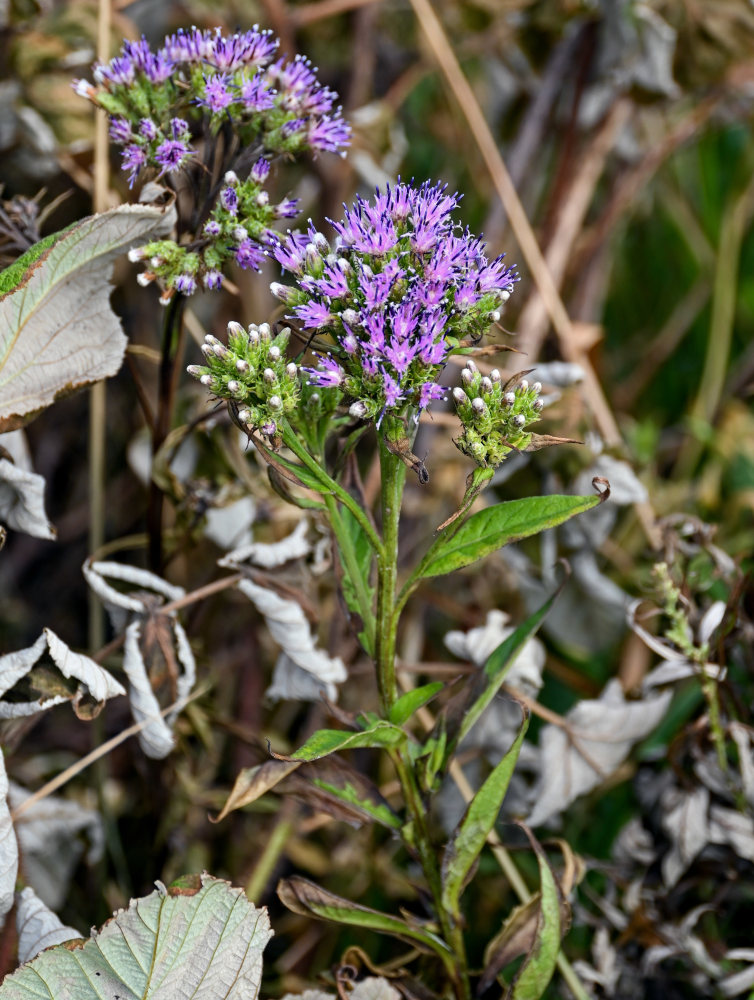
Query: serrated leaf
{"x": 308, "y": 899}
{"x": 327, "y": 741}
{"x": 491, "y": 528}
{"x": 538, "y": 967}
{"x": 412, "y": 701}
{"x": 204, "y": 939}
{"x": 57, "y": 329}
{"x": 465, "y": 846}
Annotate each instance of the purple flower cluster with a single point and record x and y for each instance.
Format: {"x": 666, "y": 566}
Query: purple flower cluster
{"x": 278, "y": 103}
{"x": 401, "y": 288}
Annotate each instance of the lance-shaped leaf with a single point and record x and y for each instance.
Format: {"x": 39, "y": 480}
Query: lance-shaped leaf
{"x": 412, "y": 701}
{"x": 253, "y": 782}
{"x": 491, "y": 528}
{"x": 199, "y": 939}
{"x": 536, "y": 972}
{"x": 327, "y": 741}
{"x": 57, "y": 329}
{"x": 308, "y": 899}
{"x": 466, "y": 844}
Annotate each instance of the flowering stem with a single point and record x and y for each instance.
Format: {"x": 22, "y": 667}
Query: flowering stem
{"x": 360, "y": 586}
{"x": 393, "y": 479}
{"x": 292, "y": 442}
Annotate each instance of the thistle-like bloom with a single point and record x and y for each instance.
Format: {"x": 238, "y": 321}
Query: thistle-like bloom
{"x": 401, "y": 288}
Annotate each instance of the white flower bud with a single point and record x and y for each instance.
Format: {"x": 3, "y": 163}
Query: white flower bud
{"x": 145, "y": 278}
{"x": 234, "y": 386}
{"x": 486, "y": 384}
{"x": 291, "y": 370}
{"x": 242, "y": 366}
{"x": 345, "y": 265}
{"x": 262, "y": 199}
{"x": 220, "y": 351}
{"x": 137, "y": 253}
{"x": 367, "y": 271}
{"x": 523, "y": 385}
{"x": 471, "y": 366}
{"x": 358, "y": 409}
{"x": 538, "y": 405}
{"x": 321, "y": 243}
{"x": 274, "y": 352}
{"x": 495, "y": 375}
{"x": 231, "y": 177}
{"x": 253, "y": 335}
{"x": 276, "y": 403}
{"x": 207, "y": 351}
{"x": 314, "y": 398}
{"x": 269, "y": 376}
{"x": 239, "y": 234}
{"x": 505, "y": 295}
{"x": 280, "y": 291}
{"x": 495, "y": 317}
{"x": 206, "y": 379}
{"x": 264, "y": 331}
{"x": 349, "y": 316}
{"x": 509, "y": 398}
{"x": 519, "y": 420}
{"x": 195, "y": 370}
{"x": 236, "y": 329}
{"x": 466, "y": 377}
{"x": 459, "y": 395}
{"x": 478, "y": 405}
{"x": 536, "y": 388}
{"x": 244, "y": 416}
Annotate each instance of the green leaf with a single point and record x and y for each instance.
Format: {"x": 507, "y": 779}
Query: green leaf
{"x": 327, "y": 741}
{"x": 200, "y": 938}
{"x": 379, "y": 812}
{"x": 356, "y": 556}
{"x": 413, "y": 700}
{"x": 57, "y": 329}
{"x": 479, "y": 819}
{"x": 491, "y": 528}
{"x": 538, "y": 967}
{"x": 497, "y": 666}
{"x": 308, "y": 899}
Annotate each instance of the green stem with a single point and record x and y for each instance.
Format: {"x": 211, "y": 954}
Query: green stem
{"x": 393, "y": 479}
{"x": 709, "y": 689}
{"x": 292, "y": 442}
{"x": 348, "y": 556}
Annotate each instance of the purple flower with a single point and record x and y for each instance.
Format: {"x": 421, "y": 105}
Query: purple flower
{"x": 314, "y": 315}
{"x": 179, "y": 129}
{"x": 251, "y": 48}
{"x": 287, "y": 208}
{"x": 328, "y": 375}
{"x": 293, "y": 126}
{"x": 185, "y": 283}
{"x": 248, "y": 255}
{"x": 147, "y": 129}
{"x": 171, "y": 154}
{"x": 212, "y": 228}
{"x": 119, "y": 71}
{"x": 256, "y": 95}
{"x": 213, "y": 280}
{"x": 217, "y": 96}
{"x": 329, "y": 135}
{"x": 190, "y": 46}
{"x": 229, "y": 200}
{"x": 134, "y": 159}
{"x": 291, "y": 253}
{"x": 333, "y": 283}
{"x": 391, "y": 389}
{"x": 120, "y": 130}
{"x": 428, "y": 392}
{"x": 260, "y": 171}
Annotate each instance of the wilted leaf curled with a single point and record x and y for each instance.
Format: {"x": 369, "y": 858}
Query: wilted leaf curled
{"x": 57, "y": 329}
{"x": 38, "y": 927}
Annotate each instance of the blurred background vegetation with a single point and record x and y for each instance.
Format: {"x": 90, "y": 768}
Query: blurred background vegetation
{"x": 625, "y": 127}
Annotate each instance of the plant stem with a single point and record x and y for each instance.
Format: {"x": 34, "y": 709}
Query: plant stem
{"x": 360, "y": 586}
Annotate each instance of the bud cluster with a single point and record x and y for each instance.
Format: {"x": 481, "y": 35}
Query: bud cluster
{"x": 238, "y": 229}
{"x": 495, "y": 416}
{"x": 252, "y": 373}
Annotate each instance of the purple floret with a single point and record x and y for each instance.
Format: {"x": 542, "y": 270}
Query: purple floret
{"x": 249, "y": 256}
{"x": 171, "y": 154}
{"x": 133, "y": 160}
{"x": 217, "y": 95}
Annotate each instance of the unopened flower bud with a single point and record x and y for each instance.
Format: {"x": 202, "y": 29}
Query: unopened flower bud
{"x": 274, "y": 352}
{"x": 459, "y": 395}
{"x": 536, "y": 388}
{"x": 236, "y": 329}
{"x": 244, "y": 416}
{"x": 345, "y": 266}
{"x": 206, "y": 379}
{"x": 264, "y": 331}
{"x": 145, "y": 278}
{"x": 270, "y": 428}
{"x": 466, "y": 377}
{"x": 495, "y": 375}
{"x": 196, "y": 370}
{"x": 478, "y": 405}
{"x": 262, "y": 199}
{"x": 276, "y": 403}
{"x": 234, "y": 386}
{"x": 538, "y": 405}
{"x": 495, "y": 316}
{"x": 137, "y": 253}
{"x": 291, "y": 370}
{"x": 367, "y": 271}
{"x": 239, "y": 234}
{"x": 350, "y": 316}
{"x": 207, "y": 351}
{"x": 231, "y": 177}
{"x": 486, "y": 384}
{"x": 358, "y": 409}
{"x": 321, "y": 243}
{"x": 519, "y": 420}
{"x": 313, "y": 258}
{"x": 242, "y": 366}
{"x": 509, "y": 398}
{"x": 523, "y": 385}
{"x": 220, "y": 351}
{"x": 269, "y": 376}
{"x": 280, "y": 291}
{"x": 253, "y": 335}
{"x": 471, "y": 366}
{"x": 314, "y": 399}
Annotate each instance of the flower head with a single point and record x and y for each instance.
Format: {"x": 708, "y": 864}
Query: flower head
{"x": 399, "y": 291}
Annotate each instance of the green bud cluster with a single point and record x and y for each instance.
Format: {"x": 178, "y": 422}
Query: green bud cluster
{"x": 495, "y": 416}
{"x": 252, "y": 373}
